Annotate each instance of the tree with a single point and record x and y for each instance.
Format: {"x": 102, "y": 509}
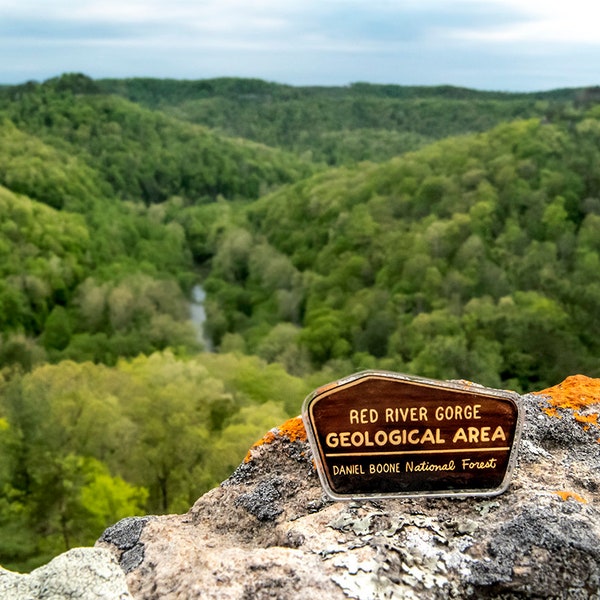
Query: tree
{"x": 57, "y": 331}
{"x": 323, "y": 336}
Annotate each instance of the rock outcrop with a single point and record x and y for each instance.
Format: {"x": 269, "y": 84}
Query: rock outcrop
{"x": 269, "y": 532}
{"x": 80, "y": 573}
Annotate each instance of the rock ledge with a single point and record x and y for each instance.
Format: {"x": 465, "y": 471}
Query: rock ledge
{"x": 269, "y": 532}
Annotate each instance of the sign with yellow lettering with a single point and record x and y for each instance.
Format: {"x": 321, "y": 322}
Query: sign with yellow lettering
{"x": 378, "y": 434}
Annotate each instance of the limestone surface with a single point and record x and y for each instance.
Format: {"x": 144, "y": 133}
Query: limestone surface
{"x": 80, "y": 573}
{"x": 269, "y": 532}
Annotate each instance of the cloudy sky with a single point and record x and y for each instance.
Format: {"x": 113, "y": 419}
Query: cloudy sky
{"x": 484, "y": 44}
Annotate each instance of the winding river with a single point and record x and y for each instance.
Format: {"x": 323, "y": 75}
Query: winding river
{"x": 198, "y": 316}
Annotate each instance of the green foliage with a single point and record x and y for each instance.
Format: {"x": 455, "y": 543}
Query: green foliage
{"x": 83, "y": 445}
{"x": 141, "y": 154}
{"x": 340, "y": 125}
{"x": 30, "y": 167}
{"x": 45, "y": 254}
{"x": 134, "y": 303}
{"x": 399, "y": 258}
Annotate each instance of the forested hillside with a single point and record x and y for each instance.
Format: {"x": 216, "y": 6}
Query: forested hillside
{"x": 475, "y": 257}
{"x": 144, "y": 155}
{"x": 339, "y": 125}
{"x": 472, "y": 256}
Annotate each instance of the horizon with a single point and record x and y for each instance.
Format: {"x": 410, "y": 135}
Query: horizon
{"x": 487, "y": 45}
{"x": 299, "y": 86}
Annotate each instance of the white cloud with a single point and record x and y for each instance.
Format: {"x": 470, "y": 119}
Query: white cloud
{"x": 559, "y": 21}
{"x": 132, "y": 21}
{"x": 535, "y": 20}
{"x": 146, "y": 11}
{"x": 467, "y": 42}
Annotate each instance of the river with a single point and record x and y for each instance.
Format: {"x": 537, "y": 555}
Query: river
{"x": 198, "y": 316}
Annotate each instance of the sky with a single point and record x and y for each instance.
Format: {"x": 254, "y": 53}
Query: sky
{"x": 506, "y": 45}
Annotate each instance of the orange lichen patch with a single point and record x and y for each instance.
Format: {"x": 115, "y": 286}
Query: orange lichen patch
{"x": 593, "y": 418}
{"x": 292, "y": 429}
{"x": 565, "y": 495}
{"x": 576, "y": 392}
{"x": 552, "y": 412}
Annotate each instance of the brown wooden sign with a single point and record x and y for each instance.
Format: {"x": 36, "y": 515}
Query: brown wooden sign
{"x": 381, "y": 434}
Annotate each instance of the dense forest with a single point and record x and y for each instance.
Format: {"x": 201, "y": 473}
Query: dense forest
{"x": 438, "y": 231}
{"x": 338, "y": 125}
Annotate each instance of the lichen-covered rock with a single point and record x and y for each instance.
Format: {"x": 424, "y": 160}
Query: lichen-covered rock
{"x": 81, "y": 573}
{"x": 268, "y": 531}
{"x": 125, "y": 537}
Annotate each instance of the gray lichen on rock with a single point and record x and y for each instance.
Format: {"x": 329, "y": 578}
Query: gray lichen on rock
{"x": 82, "y": 573}
{"x": 125, "y": 536}
{"x": 263, "y": 500}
